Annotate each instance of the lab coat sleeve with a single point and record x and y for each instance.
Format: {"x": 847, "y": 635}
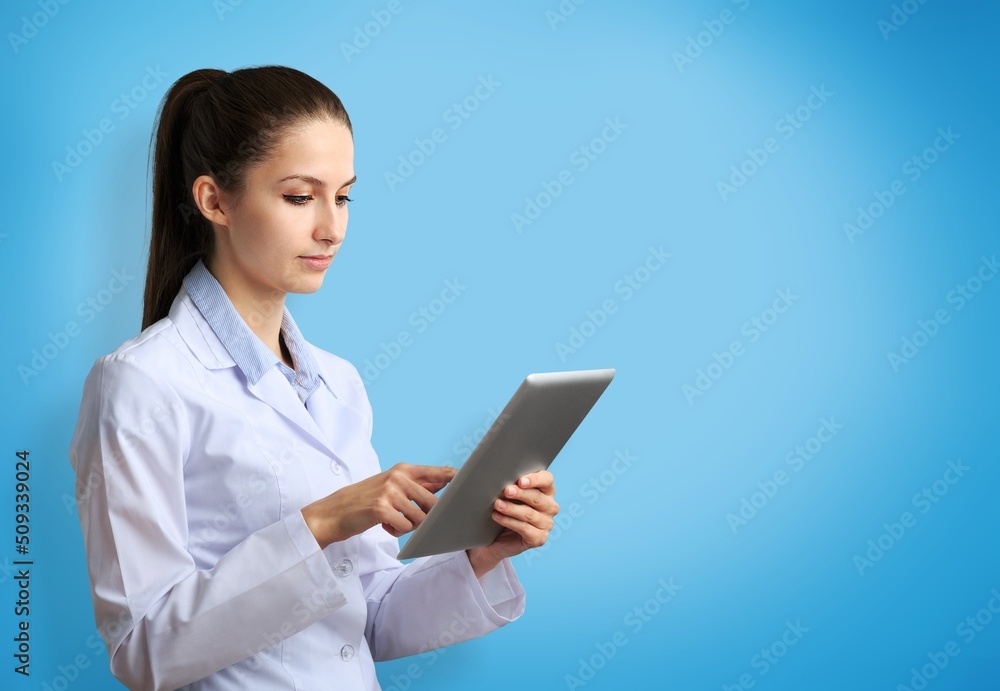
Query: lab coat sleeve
{"x": 166, "y": 623}
{"x": 432, "y": 601}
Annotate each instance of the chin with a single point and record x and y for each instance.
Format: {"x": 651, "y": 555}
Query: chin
{"x": 307, "y": 286}
{"x": 312, "y": 284}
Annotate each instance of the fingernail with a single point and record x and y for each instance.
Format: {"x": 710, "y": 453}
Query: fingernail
{"x": 501, "y": 504}
{"x": 524, "y": 482}
{"x": 511, "y": 490}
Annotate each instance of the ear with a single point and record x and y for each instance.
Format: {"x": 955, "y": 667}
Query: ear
{"x": 208, "y": 196}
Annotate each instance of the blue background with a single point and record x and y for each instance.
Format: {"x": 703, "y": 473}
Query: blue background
{"x": 699, "y": 88}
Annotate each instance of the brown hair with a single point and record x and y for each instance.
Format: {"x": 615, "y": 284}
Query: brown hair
{"x": 212, "y": 122}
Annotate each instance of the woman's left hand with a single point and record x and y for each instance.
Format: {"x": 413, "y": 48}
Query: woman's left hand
{"x": 525, "y": 511}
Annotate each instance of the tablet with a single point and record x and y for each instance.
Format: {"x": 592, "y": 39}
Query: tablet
{"x": 527, "y": 435}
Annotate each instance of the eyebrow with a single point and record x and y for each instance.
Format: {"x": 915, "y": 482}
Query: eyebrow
{"x": 316, "y": 181}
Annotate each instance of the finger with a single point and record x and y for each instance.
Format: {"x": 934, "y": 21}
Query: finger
{"x": 541, "y": 480}
{"x": 392, "y": 499}
{"x": 433, "y": 486}
{"x": 530, "y": 535}
{"x": 398, "y": 524}
{"x": 524, "y": 513}
{"x": 415, "y": 514}
{"x": 434, "y": 474}
{"x": 401, "y": 487}
{"x": 417, "y": 492}
{"x": 532, "y": 497}
{"x": 392, "y": 531}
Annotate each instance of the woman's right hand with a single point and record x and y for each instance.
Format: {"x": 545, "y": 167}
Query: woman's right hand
{"x": 398, "y": 498}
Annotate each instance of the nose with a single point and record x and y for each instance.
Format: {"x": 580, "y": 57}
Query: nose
{"x": 331, "y": 224}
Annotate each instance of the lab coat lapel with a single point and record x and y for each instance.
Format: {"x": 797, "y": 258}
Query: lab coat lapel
{"x": 274, "y": 389}
{"x": 343, "y": 422}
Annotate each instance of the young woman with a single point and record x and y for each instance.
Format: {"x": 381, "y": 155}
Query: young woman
{"x": 239, "y": 531}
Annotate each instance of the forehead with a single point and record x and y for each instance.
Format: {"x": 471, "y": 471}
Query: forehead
{"x": 320, "y": 148}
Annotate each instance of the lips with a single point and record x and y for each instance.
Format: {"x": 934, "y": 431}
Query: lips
{"x": 318, "y": 262}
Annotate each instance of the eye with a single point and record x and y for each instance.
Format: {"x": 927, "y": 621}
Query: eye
{"x": 343, "y": 199}
{"x": 297, "y": 199}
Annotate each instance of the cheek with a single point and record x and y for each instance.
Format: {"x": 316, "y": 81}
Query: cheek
{"x": 253, "y": 243}
{"x": 268, "y": 231}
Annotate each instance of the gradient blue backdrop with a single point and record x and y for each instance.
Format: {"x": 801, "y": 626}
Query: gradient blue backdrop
{"x": 891, "y": 76}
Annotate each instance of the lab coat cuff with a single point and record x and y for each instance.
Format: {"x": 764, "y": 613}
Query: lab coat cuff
{"x": 308, "y": 548}
{"x": 498, "y": 592}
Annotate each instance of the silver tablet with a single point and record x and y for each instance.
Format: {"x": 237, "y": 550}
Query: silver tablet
{"x": 527, "y": 435}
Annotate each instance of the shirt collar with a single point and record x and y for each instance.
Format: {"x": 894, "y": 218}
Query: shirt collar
{"x": 247, "y": 350}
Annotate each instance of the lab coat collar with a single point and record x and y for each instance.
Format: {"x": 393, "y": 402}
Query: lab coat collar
{"x": 244, "y": 346}
{"x": 271, "y": 388}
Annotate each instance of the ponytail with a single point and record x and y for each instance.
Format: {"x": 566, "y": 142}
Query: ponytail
{"x": 180, "y": 234}
{"x": 217, "y": 123}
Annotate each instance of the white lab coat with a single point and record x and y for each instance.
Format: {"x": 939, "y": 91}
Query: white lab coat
{"x": 203, "y": 572}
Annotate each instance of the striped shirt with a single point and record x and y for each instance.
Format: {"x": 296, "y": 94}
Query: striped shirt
{"x": 251, "y": 355}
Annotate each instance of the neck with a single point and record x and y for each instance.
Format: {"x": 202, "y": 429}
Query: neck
{"x": 261, "y": 310}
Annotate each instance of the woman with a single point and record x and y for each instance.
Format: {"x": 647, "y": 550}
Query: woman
{"x": 239, "y": 531}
